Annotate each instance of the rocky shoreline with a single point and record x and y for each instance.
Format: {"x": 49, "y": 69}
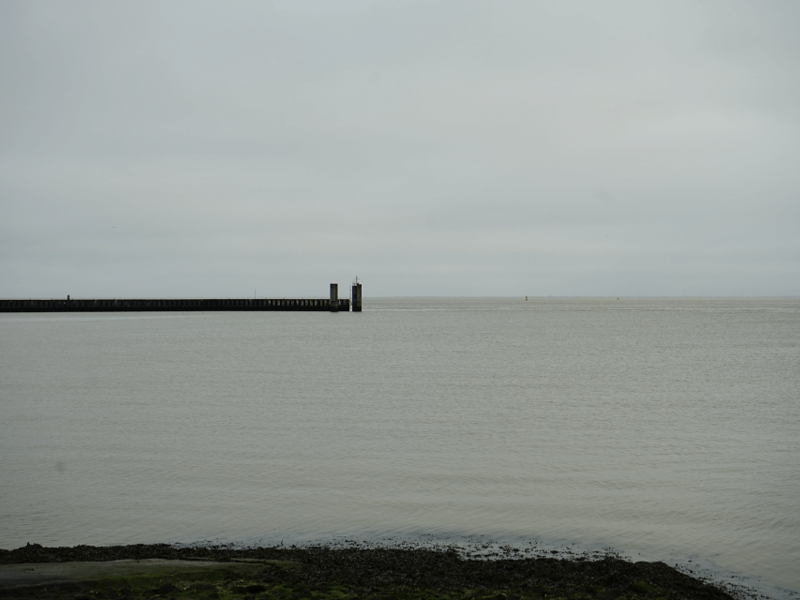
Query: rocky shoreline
{"x": 354, "y": 573}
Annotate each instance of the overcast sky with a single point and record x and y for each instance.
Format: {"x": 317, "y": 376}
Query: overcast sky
{"x": 438, "y": 148}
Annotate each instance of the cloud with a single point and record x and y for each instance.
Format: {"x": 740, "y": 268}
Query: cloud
{"x": 448, "y": 149}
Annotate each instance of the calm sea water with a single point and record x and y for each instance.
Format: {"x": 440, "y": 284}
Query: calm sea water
{"x": 661, "y": 428}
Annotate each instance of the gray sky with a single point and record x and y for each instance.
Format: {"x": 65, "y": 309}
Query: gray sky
{"x": 171, "y": 149}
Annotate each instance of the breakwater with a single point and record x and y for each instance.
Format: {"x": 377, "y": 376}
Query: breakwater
{"x": 138, "y": 304}
{"x": 331, "y": 304}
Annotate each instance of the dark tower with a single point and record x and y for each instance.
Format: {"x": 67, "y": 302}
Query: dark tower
{"x": 334, "y": 297}
{"x": 356, "y": 295}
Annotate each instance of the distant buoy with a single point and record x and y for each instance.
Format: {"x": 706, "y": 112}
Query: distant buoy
{"x": 526, "y": 298}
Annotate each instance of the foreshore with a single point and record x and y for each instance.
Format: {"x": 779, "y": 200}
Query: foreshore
{"x": 325, "y": 573}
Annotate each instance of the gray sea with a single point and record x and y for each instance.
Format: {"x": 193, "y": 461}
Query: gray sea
{"x": 663, "y": 429}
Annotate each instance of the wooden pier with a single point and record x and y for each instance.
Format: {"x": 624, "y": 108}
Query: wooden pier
{"x": 332, "y": 304}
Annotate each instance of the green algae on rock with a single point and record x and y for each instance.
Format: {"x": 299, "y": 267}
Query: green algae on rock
{"x": 324, "y": 573}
